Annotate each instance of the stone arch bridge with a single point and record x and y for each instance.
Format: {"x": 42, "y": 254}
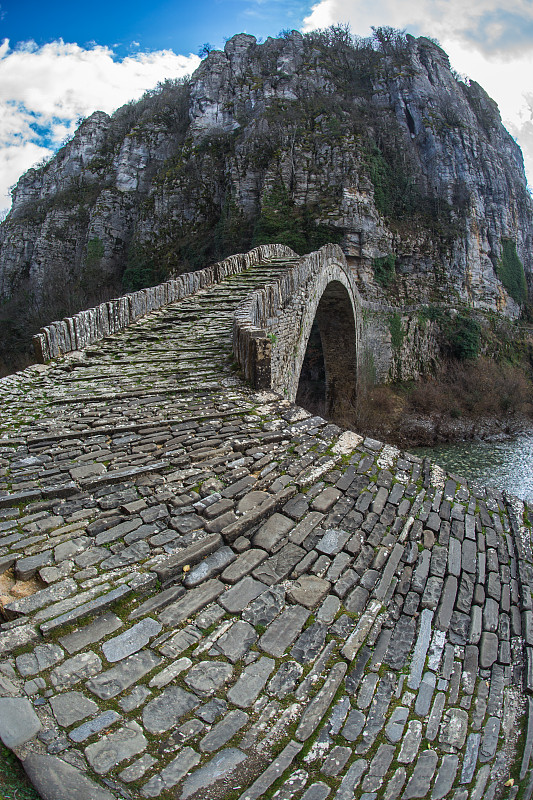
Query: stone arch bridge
{"x": 208, "y": 592}
{"x": 272, "y": 328}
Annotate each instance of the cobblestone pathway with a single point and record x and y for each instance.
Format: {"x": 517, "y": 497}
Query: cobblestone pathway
{"x": 232, "y": 599}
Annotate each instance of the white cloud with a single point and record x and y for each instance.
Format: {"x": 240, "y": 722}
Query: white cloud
{"x": 45, "y": 90}
{"x": 482, "y": 23}
{"x": 490, "y": 45}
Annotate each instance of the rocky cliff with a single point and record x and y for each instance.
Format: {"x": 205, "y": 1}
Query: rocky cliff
{"x": 374, "y": 144}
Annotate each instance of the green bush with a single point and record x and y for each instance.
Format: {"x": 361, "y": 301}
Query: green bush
{"x": 232, "y": 233}
{"x": 142, "y": 269}
{"x": 380, "y": 175}
{"x": 460, "y": 335}
{"x": 432, "y": 313}
{"x": 511, "y": 272}
{"x": 283, "y": 222}
{"x": 95, "y": 251}
{"x": 396, "y": 194}
{"x": 464, "y": 337}
{"x": 397, "y": 332}
{"x": 384, "y": 270}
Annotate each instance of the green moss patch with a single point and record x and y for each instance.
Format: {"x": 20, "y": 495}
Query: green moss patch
{"x": 510, "y": 271}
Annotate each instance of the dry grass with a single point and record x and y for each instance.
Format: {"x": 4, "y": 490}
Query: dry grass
{"x": 481, "y": 388}
{"x": 378, "y": 411}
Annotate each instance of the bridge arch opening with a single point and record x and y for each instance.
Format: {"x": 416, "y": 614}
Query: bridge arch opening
{"x": 328, "y": 376}
{"x": 311, "y": 393}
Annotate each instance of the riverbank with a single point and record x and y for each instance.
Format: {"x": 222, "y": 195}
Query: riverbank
{"x": 479, "y": 400}
{"x": 429, "y": 430}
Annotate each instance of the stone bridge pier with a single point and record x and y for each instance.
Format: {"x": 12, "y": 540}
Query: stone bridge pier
{"x": 208, "y": 592}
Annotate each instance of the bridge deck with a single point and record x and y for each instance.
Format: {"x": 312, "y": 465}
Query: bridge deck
{"x": 211, "y": 594}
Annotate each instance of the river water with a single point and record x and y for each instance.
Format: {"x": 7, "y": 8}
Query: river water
{"x": 507, "y": 465}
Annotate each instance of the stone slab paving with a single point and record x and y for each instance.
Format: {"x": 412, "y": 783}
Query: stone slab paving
{"x": 208, "y": 593}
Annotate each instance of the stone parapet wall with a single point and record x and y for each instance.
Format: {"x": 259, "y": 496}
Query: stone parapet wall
{"x": 93, "y": 324}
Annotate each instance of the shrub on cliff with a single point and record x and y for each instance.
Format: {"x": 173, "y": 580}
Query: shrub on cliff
{"x": 464, "y": 337}
{"x": 282, "y": 221}
{"x": 384, "y": 270}
{"x": 480, "y": 388}
{"x": 460, "y": 335}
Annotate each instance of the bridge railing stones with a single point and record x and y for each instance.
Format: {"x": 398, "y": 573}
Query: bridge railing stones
{"x": 93, "y": 324}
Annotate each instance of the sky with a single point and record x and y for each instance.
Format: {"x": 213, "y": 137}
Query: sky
{"x": 59, "y": 62}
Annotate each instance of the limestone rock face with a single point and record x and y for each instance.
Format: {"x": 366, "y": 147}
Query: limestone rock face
{"x": 73, "y": 161}
{"x": 376, "y": 146}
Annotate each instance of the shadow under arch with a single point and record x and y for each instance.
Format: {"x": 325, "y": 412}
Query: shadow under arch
{"x": 328, "y": 376}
